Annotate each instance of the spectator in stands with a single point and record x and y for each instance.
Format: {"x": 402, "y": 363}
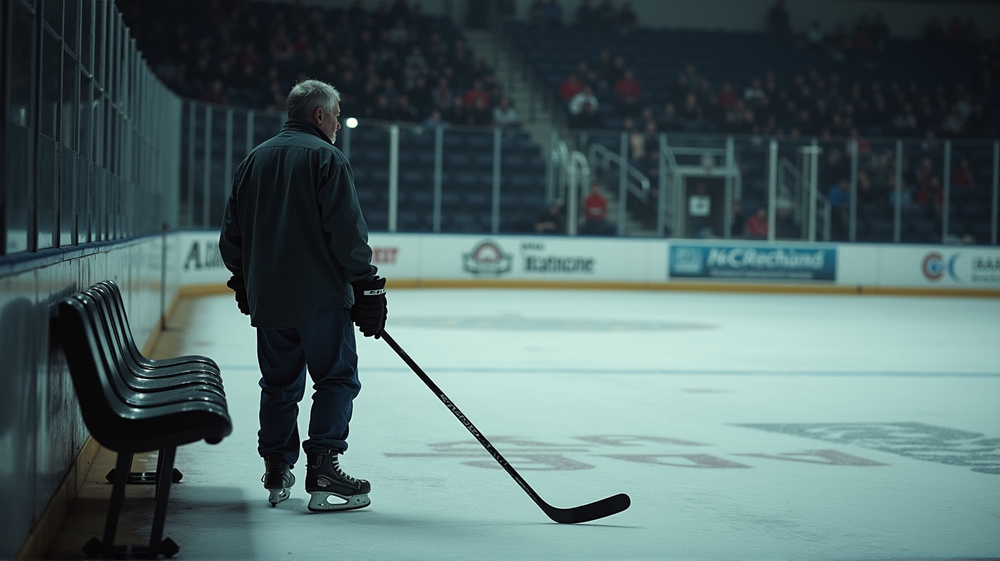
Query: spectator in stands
{"x": 636, "y": 142}
{"x": 595, "y": 212}
{"x": 420, "y": 95}
{"x": 754, "y": 94}
{"x": 737, "y": 224}
{"x": 727, "y": 97}
{"x": 570, "y": 87}
{"x": 838, "y": 43}
{"x": 404, "y": 111}
{"x": 880, "y": 32}
{"x": 382, "y": 110}
{"x": 978, "y": 125}
{"x": 757, "y": 226}
{"x": 814, "y": 36}
{"x": 589, "y": 118}
{"x": 863, "y": 39}
{"x": 504, "y": 114}
{"x": 436, "y": 119}
{"x": 953, "y": 124}
{"x": 867, "y": 194}
{"x": 551, "y": 221}
{"x": 580, "y": 107}
{"x": 668, "y": 120}
{"x": 441, "y": 95}
{"x": 933, "y": 32}
{"x": 963, "y": 177}
{"x": 931, "y": 195}
{"x": 863, "y": 145}
{"x": 691, "y": 114}
{"x": 778, "y": 22}
{"x": 604, "y": 68}
{"x": 606, "y": 12}
{"x": 955, "y": 35}
{"x": 476, "y": 93}
{"x": 923, "y": 174}
{"x": 839, "y": 196}
{"x": 905, "y": 122}
{"x": 586, "y": 16}
{"x": 627, "y": 18}
{"x": 480, "y": 114}
{"x": 553, "y": 15}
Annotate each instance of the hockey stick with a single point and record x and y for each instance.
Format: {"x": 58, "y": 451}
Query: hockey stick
{"x": 583, "y": 513}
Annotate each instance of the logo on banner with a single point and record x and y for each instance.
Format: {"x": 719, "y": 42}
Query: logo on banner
{"x": 974, "y": 268}
{"x": 753, "y": 262}
{"x": 933, "y": 266}
{"x": 536, "y": 260}
{"x": 203, "y": 254}
{"x": 384, "y": 255}
{"x": 687, "y": 261}
{"x": 487, "y": 259}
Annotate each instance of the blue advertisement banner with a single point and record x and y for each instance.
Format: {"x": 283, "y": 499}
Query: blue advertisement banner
{"x": 757, "y": 262}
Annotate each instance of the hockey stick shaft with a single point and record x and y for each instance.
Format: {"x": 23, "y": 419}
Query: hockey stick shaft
{"x": 584, "y": 513}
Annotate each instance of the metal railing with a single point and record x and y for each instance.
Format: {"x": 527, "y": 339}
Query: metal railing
{"x": 494, "y": 180}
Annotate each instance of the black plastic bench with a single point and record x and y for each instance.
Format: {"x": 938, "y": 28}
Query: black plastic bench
{"x": 130, "y": 408}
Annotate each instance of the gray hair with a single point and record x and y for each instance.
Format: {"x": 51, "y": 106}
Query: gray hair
{"x": 306, "y": 96}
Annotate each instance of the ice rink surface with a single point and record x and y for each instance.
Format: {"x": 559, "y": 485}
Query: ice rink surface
{"x": 742, "y": 426}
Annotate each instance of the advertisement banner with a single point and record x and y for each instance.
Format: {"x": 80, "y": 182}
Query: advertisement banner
{"x": 753, "y": 262}
{"x": 201, "y": 262}
{"x": 941, "y": 266}
{"x": 503, "y": 257}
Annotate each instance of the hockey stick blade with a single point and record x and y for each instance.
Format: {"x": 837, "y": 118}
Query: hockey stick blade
{"x": 584, "y": 513}
{"x": 598, "y": 509}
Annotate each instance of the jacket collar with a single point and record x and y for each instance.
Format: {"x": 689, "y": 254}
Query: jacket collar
{"x": 306, "y": 127}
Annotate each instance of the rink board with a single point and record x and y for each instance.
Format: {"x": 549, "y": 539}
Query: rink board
{"x": 538, "y": 260}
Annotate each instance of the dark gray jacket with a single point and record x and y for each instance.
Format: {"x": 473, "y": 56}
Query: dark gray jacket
{"x": 293, "y": 228}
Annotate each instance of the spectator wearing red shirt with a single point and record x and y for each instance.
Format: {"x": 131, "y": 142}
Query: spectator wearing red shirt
{"x": 963, "y": 178}
{"x": 757, "y": 226}
{"x": 727, "y": 97}
{"x": 931, "y": 194}
{"x": 628, "y": 92}
{"x": 595, "y": 211}
{"x": 570, "y": 87}
{"x": 476, "y": 94}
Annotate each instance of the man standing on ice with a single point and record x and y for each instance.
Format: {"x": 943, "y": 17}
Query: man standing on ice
{"x": 295, "y": 240}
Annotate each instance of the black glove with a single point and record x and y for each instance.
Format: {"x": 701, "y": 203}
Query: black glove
{"x": 369, "y": 309}
{"x": 238, "y": 286}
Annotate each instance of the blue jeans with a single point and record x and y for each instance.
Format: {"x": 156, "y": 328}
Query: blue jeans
{"x": 326, "y": 347}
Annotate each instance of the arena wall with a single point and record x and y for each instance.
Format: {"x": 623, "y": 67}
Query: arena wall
{"x": 446, "y": 260}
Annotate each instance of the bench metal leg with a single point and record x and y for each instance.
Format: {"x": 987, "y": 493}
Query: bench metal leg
{"x": 145, "y": 477}
{"x": 157, "y": 544}
{"x": 105, "y": 548}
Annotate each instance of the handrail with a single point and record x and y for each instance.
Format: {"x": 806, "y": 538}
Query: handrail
{"x": 605, "y": 157}
{"x": 574, "y": 180}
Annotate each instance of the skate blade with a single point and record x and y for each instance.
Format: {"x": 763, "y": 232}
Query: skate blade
{"x": 277, "y": 495}
{"x": 321, "y": 501}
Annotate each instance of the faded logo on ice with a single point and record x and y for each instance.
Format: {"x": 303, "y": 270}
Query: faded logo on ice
{"x": 530, "y": 454}
{"x": 919, "y": 441}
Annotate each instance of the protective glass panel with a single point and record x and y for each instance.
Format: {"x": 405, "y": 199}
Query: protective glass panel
{"x": 48, "y": 112}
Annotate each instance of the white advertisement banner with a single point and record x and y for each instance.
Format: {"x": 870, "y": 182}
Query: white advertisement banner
{"x": 940, "y": 266}
{"x": 460, "y": 257}
{"x": 200, "y": 262}
{"x": 444, "y": 257}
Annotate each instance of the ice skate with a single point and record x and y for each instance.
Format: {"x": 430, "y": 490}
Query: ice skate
{"x": 277, "y": 479}
{"x": 331, "y": 489}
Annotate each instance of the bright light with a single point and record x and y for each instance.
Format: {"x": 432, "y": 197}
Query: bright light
{"x": 351, "y": 122}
